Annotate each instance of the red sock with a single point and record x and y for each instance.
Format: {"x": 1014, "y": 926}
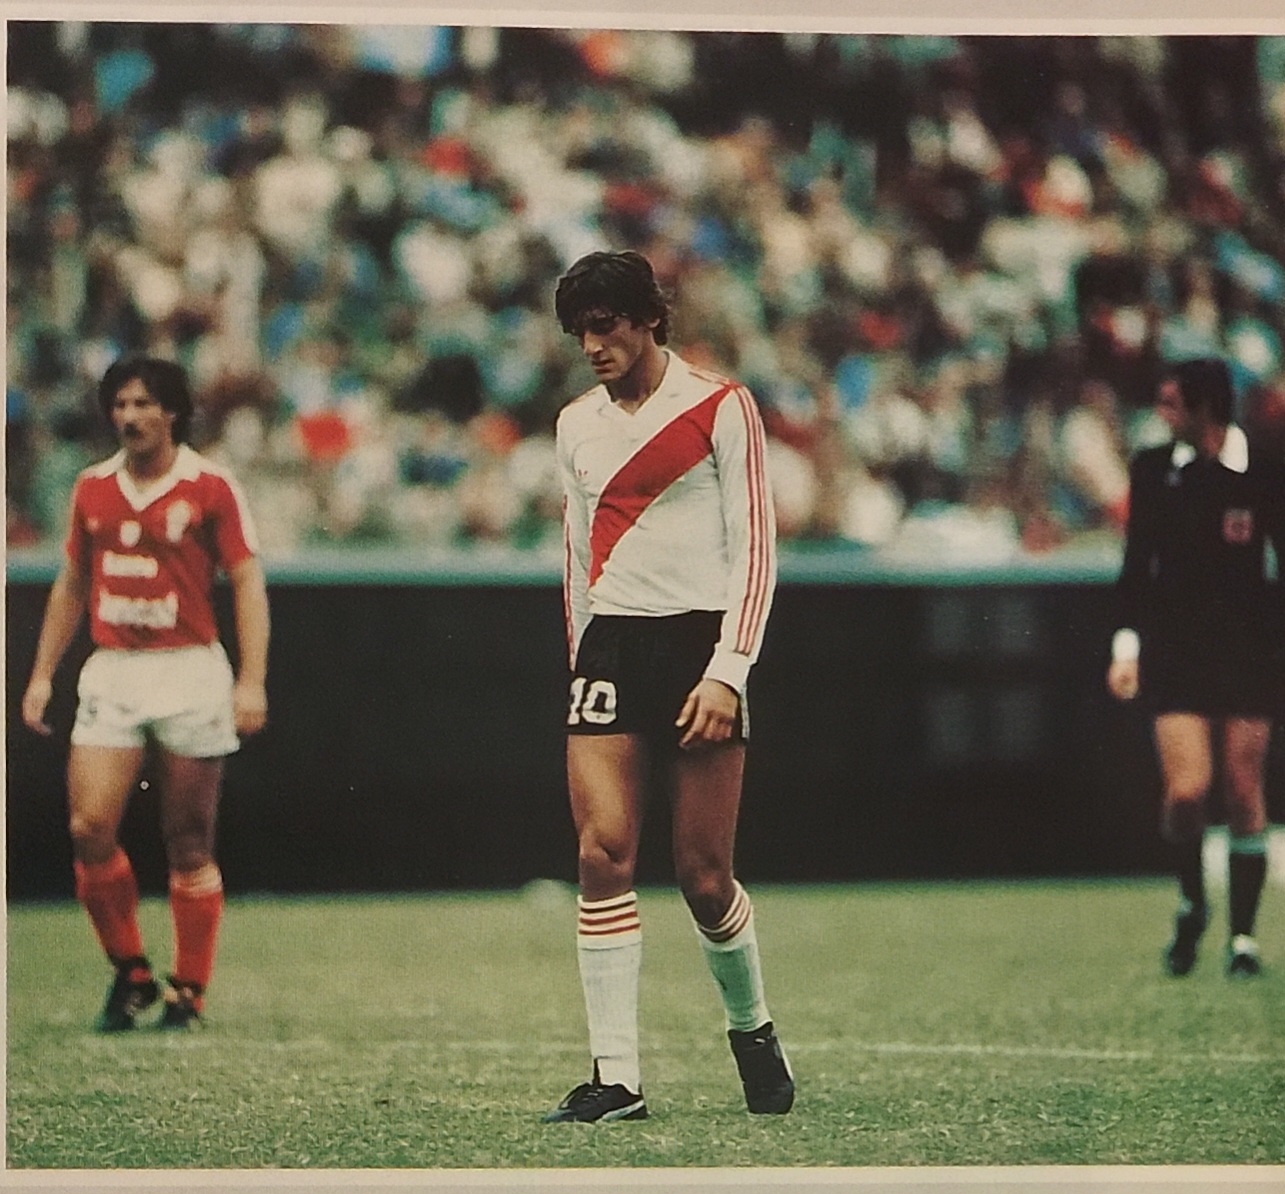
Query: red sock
{"x": 109, "y": 893}
{"x": 196, "y": 904}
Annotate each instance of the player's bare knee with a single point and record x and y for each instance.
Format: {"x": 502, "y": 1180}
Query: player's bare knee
{"x": 186, "y": 854}
{"x": 707, "y": 910}
{"x": 708, "y": 892}
{"x": 93, "y": 838}
{"x": 606, "y": 863}
{"x": 189, "y": 843}
{"x": 1186, "y": 788}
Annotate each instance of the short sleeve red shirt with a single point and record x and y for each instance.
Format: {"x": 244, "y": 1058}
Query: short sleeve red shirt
{"x": 152, "y": 554}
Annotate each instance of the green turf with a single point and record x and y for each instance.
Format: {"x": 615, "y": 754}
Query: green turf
{"x": 941, "y": 1025}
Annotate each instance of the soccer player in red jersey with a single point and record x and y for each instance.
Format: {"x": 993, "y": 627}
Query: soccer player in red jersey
{"x": 1203, "y": 640}
{"x": 149, "y": 529}
{"x": 670, "y": 572}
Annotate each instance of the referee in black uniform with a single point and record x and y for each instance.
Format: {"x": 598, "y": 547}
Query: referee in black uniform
{"x": 1203, "y": 639}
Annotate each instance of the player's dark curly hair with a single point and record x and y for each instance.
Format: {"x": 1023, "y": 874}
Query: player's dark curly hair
{"x": 614, "y": 283}
{"x": 165, "y": 381}
{"x": 1206, "y": 385}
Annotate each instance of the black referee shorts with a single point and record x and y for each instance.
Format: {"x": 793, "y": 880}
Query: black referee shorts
{"x": 1213, "y": 681}
{"x": 633, "y": 674}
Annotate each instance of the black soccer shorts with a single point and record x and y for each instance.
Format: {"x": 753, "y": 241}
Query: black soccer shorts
{"x": 633, "y": 674}
{"x": 1211, "y": 682}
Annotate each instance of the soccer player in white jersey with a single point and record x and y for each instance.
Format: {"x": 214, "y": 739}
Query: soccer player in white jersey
{"x": 149, "y": 529}
{"x": 670, "y": 572}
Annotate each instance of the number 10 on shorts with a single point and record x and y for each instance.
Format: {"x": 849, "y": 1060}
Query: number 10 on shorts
{"x": 592, "y": 701}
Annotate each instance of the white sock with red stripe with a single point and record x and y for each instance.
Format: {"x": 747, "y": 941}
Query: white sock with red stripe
{"x": 609, "y": 949}
{"x": 732, "y": 951}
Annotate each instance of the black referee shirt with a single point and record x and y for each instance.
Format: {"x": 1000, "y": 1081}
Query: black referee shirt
{"x": 1194, "y": 572}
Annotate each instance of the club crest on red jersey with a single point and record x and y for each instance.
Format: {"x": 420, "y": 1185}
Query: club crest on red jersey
{"x": 177, "y": 518}
{"x": 1238, "y": 526}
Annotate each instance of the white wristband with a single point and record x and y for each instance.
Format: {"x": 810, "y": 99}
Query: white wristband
{"x": 1125, "y": 646}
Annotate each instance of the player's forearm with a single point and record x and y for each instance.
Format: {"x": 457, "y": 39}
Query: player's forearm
{"x": 577, "y": 620}
{"x": 750, "y": 597}
{"x": 63, "y": 612}
{"x": 575, "y": 597}
{"x": 1133, "y": 588}
{"x": 575, "y": 578}
{"x": 253, "y": 622}
{"x": 748, "y": 517}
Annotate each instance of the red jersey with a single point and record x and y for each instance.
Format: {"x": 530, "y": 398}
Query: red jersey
{"x": 152, "y": 553}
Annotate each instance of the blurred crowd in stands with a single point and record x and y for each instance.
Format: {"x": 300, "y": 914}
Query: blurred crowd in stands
{"x": 949, "y": 268}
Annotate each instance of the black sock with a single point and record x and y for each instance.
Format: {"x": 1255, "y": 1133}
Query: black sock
{"x": 1189, "y": 866}
{"x": 1246, "y": 872}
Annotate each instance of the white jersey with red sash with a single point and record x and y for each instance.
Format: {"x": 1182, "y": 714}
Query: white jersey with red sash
{"x": 152, "y": 553}
{"x": 668, "y": 509}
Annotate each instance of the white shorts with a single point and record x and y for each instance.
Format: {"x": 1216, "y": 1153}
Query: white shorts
{"x": 181, "y": 698}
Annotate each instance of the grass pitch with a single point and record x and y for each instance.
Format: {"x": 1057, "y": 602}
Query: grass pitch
{"x": 935, "y": 1025}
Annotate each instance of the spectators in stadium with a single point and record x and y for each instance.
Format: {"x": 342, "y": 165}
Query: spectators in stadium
{"x": 352, "y": 235}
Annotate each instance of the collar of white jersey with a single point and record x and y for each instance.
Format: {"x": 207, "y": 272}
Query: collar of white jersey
{"x": 186, "y": 467}
{"x": 1234, "y": 454}
{"x": 666, "y": 378}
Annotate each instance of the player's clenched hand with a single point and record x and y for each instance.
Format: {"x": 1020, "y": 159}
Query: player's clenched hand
{"x": 34, "y": 703}
{"x": 1122, "y": 679}
{"x": 249, "y": 707}
{"x": 708, "y": 715}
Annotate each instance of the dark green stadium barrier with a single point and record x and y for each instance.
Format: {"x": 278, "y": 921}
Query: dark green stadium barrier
{"x": 929, "y": 723}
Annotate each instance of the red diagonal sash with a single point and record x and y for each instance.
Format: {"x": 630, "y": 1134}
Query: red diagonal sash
{"x": 674, "y": 450}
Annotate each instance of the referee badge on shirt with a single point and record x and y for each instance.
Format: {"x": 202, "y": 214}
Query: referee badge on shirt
{"x": 1238, "y": 526}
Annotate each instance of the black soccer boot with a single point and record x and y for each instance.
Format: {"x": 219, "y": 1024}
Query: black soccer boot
{"x": 1242, "y": 958}
{"x": 182, "y": 1005}
{"x": 593, "y": 1102}
{"x": 765, "y": 1073}
{"x": 133, "y": 990}
{"x": 1180, "y": 953}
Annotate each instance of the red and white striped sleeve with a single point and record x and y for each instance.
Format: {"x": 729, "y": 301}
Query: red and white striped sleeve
{"x": 750, "y": 522}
